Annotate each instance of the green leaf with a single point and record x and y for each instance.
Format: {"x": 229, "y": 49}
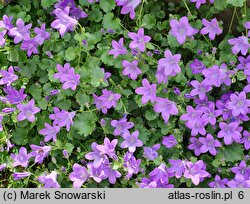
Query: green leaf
{"x": 107, "y": 5}
{"x": 151, "y": 115}
{"x": 220, "y": 4}
{"x": 70, "y": 54}
{"x": 48, "y": 3}
{"x": 109, "y": 22}
{"x": 82, "y": 98}
{"x": 69, "y": 147}
{"x": 233, "y": 152}
{"x": 148, "y": 21}
{"x": 238, "y": 3}
{"x": 19, "y": 136}
{"x": 85, "y": 123}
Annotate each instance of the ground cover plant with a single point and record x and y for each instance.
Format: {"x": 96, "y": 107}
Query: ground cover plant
{"x": 125, "y": 93}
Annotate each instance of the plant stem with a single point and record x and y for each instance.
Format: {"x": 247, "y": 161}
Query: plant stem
{"x": 231, "y": 23}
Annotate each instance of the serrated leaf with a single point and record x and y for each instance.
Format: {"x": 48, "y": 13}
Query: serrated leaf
{"x": 70, "y": 54}
{"x": 238, "y": 3}
{"x": 107, "y": 5}
{"x": 233, "y": 152}
{"x": 19, "y": 136}
{"x": 85, "y": 123}
{"x": 148, "y": 21}
{"x": 109, "y": 22}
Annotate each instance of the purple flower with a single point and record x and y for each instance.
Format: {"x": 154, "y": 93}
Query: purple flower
{"x": 192, "y": 116}
{"x": 131, "y": 164}
{"x": 197, "y": 67}
{"x": 169, "y": 141}
{"x": 112, "y": 174}
{"x": 118, "y": 48}
{"x": 50, "y": 132}
{"x": 21, "y": 32}
{"x": 108, "y": 148}
{"x": 247, "y": 26}
{"x": 139, "y": 40}
{"x": 1, "y": 126}
{"x": 160, "y": 174}
{"x": 218, "y": 182}
{"x": 131, "y": 141}
{"x": 151, "y": 152}
{"x": 182, "y": 29}
{"x": 30, "y": 46}
{"x": 170, "y": 64}
{"x": 200, "y": 89}
{"x": 96, "y": 156}
{"x": 240, "y": 44}
{"x": 39, "y": 153}
{"x": 238, "y": 104}
{"x": 20, "y": 175}
{"x": 96, "y": 173}
{"x": 244, "y": 64}
{"x": 9, "y": 145}
{"x": 49, "y": 180}
{"x": 78, "y": 176}
{"x": 195, "y": 145}
{"x": 212, "y": 28}
{"x": 3, "y": 166}
{"x": 177, "y": 91}
{"x": 107, "y": 100}
{"x": 177, "y": 167}
{"x": 2, "y": 39}
{"x": 64, "y": 22}
{"x": 246, "y": 140}
{"x": 71, "y": 80}
{"x": 6, "y": 22}
{"x": 8, "y": 76}
{"x": 148, "y": 91}
{"x": 210, "y": 113}
{"x": 196, "y": 171}
{"x": 28, "y": 111}
{"x": 62, "y": 71}
{"x": 54, "y": 92}
{"x": 209, "y": 144}
{"x": 41, "y": 34}
{"x": 230, "y": 132}
{"x": 198, "y": 127}
{"x": 198, "y": 3}
{"x": 242, "y": 170}
{"x": 8, "y": 110}
{"x": 62, "y": 118}
{"x": 128, "y": 6}
{"x": 166, "y": 108}
{"x": 131, "y": 69}
{"x": 106, "y": 75}
{"x": 214, "y": 76}
{"x": 121, "y": 126}
{"x": 239, "y": 182}
{"x": 22, "y": 158}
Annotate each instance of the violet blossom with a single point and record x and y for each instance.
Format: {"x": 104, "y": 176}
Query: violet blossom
{"x": 27, "y": 111}
{"x": 181, "y": 29}
{"x": 78, "y": 176}
{"x": 166, "y": 108}
{"x": 139, "y": 40}
{"x": 118, "y": 48}
{"x": 211, "y": 28}
{"x": 21, "y": 159}
{"x": 131, "y": 141}
{"x": 62, "y": 118}
{"x": 169, "y": 141}
{"x": 121, "y": 126}
{"x": 131, "y": 69}
{"x": 148, "y": 91}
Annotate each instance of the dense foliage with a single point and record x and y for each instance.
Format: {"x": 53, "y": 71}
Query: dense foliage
{"x": 125, "y": 93}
